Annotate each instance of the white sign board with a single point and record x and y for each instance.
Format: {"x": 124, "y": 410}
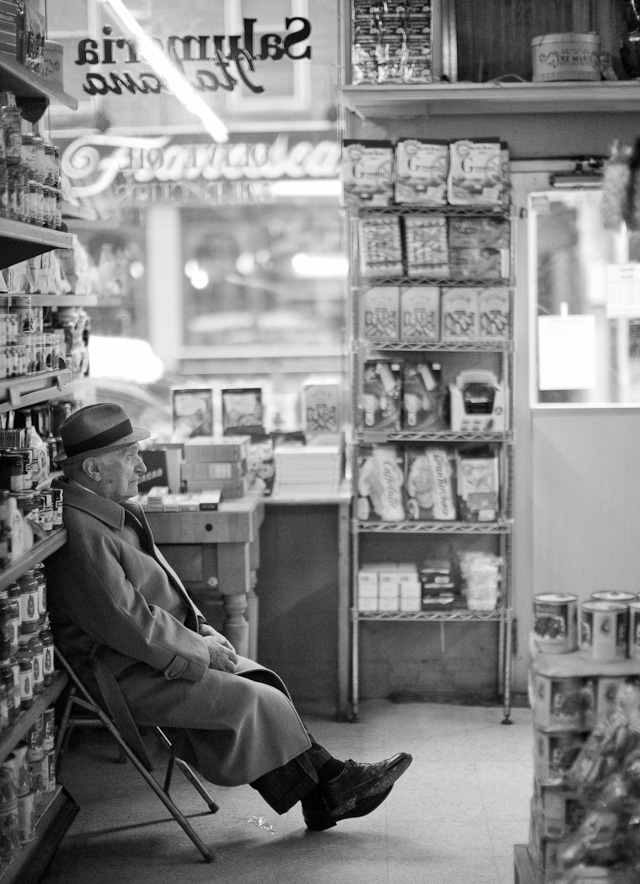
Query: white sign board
{"x": 566, "y": 352}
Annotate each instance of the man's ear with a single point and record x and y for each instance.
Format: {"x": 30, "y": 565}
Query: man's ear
{"x": 92, "y": 468}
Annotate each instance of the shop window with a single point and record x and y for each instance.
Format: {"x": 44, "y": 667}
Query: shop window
{"x": 263, "y": 280}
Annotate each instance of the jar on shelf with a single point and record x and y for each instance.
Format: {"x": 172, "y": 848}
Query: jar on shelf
{"x": 13, "y": 593}
{"x": 28, "y": 154}
{"x": 6, "y": 633}
{"x": 24, "y": 657}
{"x": 17, "y": 194}
{"x": 34, "y": 213}
{"x": 14, "y": 475}
{"x": 29, "y": 615}
{"x": 4, "y": 190}
{"x": 48, "y": 658}
{"x": 6, "y": 679}
{"x": 42, "y": 592}
{"x": 37, "y": 648}
{"x": 12, "y": 126}
{"x": 50, "y": 171}
{"x": 39, "y": 165}
{"x": 13, "y": 668}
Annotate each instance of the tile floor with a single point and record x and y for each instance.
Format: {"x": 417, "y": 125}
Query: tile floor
{"x": 452, "y": 819}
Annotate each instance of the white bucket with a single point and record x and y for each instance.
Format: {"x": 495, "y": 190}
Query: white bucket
{"x": 603, "y": 631}
{"x": 570, "y": 56}
{"x": 555, "y": 621}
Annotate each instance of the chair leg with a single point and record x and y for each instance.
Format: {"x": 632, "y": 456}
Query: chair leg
{"x": 64, "y": 731}
{"x": 195, "y": 782}
{"x": 187, "y": 770}
{"x": 162, "y": 795}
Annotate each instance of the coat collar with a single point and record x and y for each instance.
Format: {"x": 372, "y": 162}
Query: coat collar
{"x": 107, "y": 511}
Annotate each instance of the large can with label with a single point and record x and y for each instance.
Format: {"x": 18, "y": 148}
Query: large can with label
{"x": 603, "y": 631}
{"x": 555, "y": 622}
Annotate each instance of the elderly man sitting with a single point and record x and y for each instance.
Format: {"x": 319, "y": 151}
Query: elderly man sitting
{"x": 109, "y": 588}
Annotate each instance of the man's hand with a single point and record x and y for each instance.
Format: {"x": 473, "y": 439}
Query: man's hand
{"x": 207, "y": 630}
{"x": 221, "y": 657}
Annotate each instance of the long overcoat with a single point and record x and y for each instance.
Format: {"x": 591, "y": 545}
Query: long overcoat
{"x": 109, "y": 586}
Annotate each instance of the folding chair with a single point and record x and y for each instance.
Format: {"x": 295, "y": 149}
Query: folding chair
{"x": 118, "y": 721}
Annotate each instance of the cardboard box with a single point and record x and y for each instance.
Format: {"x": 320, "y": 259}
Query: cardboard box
{"x": 321, "y": 408}
{"x": 380, "y": 313}
{"x": 229, "y": 488}
{"x": 420, "y": 313}
{"x": 218, "y": 470}
{"x": 212, "y": 449}
{"x": 459, "y": 315}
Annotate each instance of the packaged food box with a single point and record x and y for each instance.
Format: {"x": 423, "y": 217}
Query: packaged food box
{"x": 430, "y": 484}
{"x": 479, "y": 264}
{"x": 381, "y": 394}
{"x": 380, "y": 247}
{"x": 420, "y": 313}
{"x": 557, "y": 809}
{"x": 494, "y": 314}
{"x": 478, "y": 484}
{"x": 479, "y": 232}
{"x": 321, "y": 408}
{"x": 228, "y": 488}
{"x": 421, "y": 172}
{"x": 366, "y": 170}
{"x": 380, "y": 483}
{"x": 380, "y": 313}
{"x": 200, "y": 449}
{"x": 459, "y": 314}
{"x": 422, "y": 397}
{"x": 562, "y": 703}
{"x": 218, "y": 470}
{"x": 555, "y": 753}
{"x": 426, "y": 247}
{"x": 475, "y": 173}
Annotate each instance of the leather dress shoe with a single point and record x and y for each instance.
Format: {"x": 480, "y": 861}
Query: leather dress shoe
{"x": 318, "y": 817}
{"x": 359, "y": 781}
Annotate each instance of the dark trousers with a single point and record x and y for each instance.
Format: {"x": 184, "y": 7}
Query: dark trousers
{"x": 284, "y": 786}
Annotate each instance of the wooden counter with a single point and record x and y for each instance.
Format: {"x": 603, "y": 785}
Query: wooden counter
{"x": 218, "y": 552}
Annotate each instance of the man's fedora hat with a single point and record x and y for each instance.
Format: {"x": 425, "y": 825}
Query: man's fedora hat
{"x": 96, "y": 429}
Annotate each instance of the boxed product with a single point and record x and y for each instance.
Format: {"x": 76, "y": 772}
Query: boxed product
{"x": 563, "y": 703}
{"x": 388, "y": 587}
{"x": 213, "y": 470}
{"x": 479, "y": 232}
{"x": 366, "y": 170}
{"x": 478, "y": 482}
{"x": 261, "y": 464}
{"x": 380, "y": 246}
{"x": 481, "y": 575}
{"x": 381, "y": 394}
{"x": 8, "y": 27}
{"x": 201, "y": 449}
{"x": 476, "y": 403}
{"x": 380, "y": 313}
{"x": 475, "y": 173}
{"x": 422, "y": 397}
{"x": 228, "y": 488}
{"x": 494, "y": 314}
{"x": 479, "y": 264}
{"x": 459, "y": 319}
{"x": 420, "y": 313}
{"x": 380, "y": 483}
{"x": 242, "y": 411}
{"x": 421, "y": 172}
{"x": 557, "y": 809}
{"x": 321, "y": 408}
{"x": 555, "y": 752}
{"x": 430, "y": 484}
{"x": 426, "y": 248}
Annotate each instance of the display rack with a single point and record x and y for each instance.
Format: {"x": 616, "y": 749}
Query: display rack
{"x": 19, "y": 242}
{"x": 503, "y": 352}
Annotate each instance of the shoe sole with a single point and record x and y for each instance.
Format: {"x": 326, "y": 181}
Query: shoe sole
{"x": 321, "y": 822}
{"x": 381, "y": 784}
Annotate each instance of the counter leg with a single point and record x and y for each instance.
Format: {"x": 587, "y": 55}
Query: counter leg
{"x": 234, "y": 575}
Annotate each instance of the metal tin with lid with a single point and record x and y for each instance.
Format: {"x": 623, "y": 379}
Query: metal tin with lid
{"x": 555, "y": 622}
{"x": 603, "y": 631}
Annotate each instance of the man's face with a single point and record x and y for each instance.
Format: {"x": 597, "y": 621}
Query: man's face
{"x": 120, "y": 472}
